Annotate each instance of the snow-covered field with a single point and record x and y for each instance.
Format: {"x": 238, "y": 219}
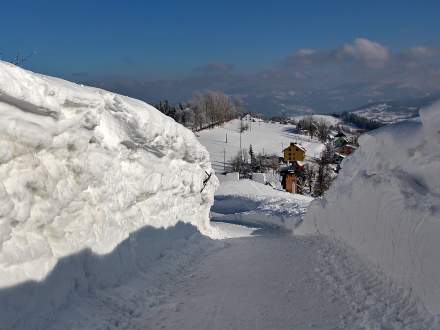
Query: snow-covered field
{"x": 267, "y": 138}
{"x": 386, "y": 204}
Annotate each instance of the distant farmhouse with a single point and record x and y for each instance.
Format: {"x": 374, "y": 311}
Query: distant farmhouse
{"x": 346, "y": 150}
{"x": 342, "y": 146}
{"x": 247, "y": 117}
{"x": 340, "y": 140}
{"x": 294, "y": 152}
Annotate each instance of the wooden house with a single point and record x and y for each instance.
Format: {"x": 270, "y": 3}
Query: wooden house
{"x": 289, "y": 182}
{"x": 340, "y": 140}
{"x": 346, "y": 149}
{"x": 294, "y": 152}
{"x": 246, "y": 117}
{"x": 289, "y": 177}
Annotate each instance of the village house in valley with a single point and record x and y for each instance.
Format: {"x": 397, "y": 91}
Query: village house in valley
{"x": 289, "y": 176}
{"x": 294, "y": 152}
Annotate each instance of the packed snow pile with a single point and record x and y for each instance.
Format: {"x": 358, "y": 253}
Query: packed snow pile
{"x": 386, "y": 204}
{"x": 252, "y": 203}
{"x": 83, "y": 168}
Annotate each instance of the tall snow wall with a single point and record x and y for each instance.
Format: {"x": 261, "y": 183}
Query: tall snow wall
{"x": 82, "y": 169}
{"x": 386, "y": 204}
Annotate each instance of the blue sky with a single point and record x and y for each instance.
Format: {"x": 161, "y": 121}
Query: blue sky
{"x": 163, "y": 39}
{"x": 278, "y": 55}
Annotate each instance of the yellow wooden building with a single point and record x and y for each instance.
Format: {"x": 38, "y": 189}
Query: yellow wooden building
{"x": 294, "y": 152}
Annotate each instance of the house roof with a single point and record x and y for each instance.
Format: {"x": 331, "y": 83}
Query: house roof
{"x": 296, "y": 145}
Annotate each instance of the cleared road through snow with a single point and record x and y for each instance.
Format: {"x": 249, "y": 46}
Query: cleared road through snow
{"x": 276, "y": 281}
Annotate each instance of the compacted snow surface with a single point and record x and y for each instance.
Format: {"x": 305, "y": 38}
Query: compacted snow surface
{"x": 258, "y": 278}
{"x": 253, "y": 204}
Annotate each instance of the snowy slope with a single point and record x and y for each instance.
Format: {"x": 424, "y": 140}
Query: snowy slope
{"x": 254, "y": 204}
{"x": 267, "y": 138}
{"x": 82, "y": 169}
{"x": 386, "y": 204}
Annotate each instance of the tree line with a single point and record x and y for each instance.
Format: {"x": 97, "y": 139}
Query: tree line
{"x": 318, "y": 128}
{"x": 359, "y": 121}
{"x": 203, "y": 110}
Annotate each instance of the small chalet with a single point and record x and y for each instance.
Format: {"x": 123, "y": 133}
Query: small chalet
{"x": 247, "y": 117}
{"x": 294, "y": 152}
{"x": 346, "y": 150}
{"x": 289, "y": 176}
{"x": 340, "y": 140}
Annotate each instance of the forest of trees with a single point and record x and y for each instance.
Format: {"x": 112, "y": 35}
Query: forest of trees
{"x": 360, "y": 122}
{"x": 318, "y": 128}
{"x": 204, "y": 110}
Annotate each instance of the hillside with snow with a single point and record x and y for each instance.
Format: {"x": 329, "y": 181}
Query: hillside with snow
{"x": 387, "y": 113}
{"x": 386, "y": 205}
{"x": 81, "y": 171}
{"x": 223, "y": 142}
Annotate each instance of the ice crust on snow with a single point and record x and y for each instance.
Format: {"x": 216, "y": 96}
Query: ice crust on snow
{"x": 82, "y": 168}
{"x": 386, "y": 204}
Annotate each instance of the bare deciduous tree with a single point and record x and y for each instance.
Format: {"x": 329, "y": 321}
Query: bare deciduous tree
{"x": 322, "y": 130}
{"x": 212, "y": 108}
{"x": 309, "y": 176}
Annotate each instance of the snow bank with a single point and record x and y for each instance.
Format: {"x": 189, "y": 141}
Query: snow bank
{"x": 259, "y": 177}
{"x": 233, "y": 176}
{"x": 82, "y": 168}
{"x": 386, "y": 204}
{"x": 254, "y": 204}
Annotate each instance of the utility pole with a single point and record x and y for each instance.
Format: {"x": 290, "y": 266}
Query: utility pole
{"x": 224, "y": 160}
{"x": 226, "y": 138}
{"x": 241, "y": 153}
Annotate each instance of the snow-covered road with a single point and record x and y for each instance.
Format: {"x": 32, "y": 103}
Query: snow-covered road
{"x": 262, "y": 282}
{"x": 277, "y": 281}
{"x": 267, "y": 280}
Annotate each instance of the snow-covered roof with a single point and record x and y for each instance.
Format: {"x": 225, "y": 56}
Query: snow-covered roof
{"x": 296, "y": 145}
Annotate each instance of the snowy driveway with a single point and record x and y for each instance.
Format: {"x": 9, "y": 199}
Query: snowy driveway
{"x": 264, "y": 282}
{"x": 277, "y": 281}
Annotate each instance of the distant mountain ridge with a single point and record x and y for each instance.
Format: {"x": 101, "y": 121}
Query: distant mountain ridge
{"x": 390, "y": 112}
